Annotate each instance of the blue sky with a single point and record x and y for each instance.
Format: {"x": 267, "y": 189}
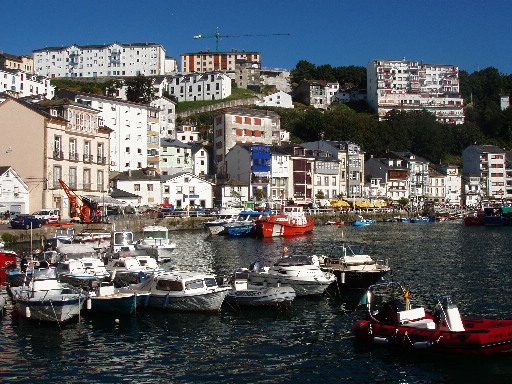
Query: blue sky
{"x": 469, "y": 33}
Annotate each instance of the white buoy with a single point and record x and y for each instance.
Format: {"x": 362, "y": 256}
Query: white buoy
{"x": 116, "y": 321}
{"x": 27, "y": 311}
{"x": 89, "y": 303}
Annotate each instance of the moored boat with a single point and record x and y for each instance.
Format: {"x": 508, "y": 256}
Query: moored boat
{"x": 246, "y": 294}
{"x": 48, "y": 300}
{"x": 244, "y": 225}
{"x": 155, "y": 238}
{"x": 301, "y": 272}
{"x": 226, "y": 215}
{"x": 353, "y": 267}
{"x": 291, "y": 222}
{"x": 183, "y": 291}
{"x": 107, "y": 299}
{"x": 396, "y": 322}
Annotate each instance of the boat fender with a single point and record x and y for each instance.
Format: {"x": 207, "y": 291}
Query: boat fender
{"x": 27, "y": 311}
{"x": 380, "y": 340}
{"x": 422, "y": 344}
{"x": 89, "y": 303}
{"x": 166, "y": 301}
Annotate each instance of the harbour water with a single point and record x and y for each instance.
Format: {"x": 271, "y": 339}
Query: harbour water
{"x": 310, "y": 342}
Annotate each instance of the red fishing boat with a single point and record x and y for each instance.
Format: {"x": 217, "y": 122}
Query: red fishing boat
{"x": 7, "y": 262}
{"x": 291, "y": 222}
{"x": 396, "y": 323}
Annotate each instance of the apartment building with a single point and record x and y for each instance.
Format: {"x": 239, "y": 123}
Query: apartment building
{"x": 24, "y": 63}
{"x": 176, "y": 156}
{"x": 145, "y": 183}
{"x": 489, "y": 163}
{"x": 134, "y": 142}
{"x": 167, "y": 115}
{"x": 277, "y": 99}
{"x": 200, "y": 86}
{"x": 61, "y": 140}
{"x": 412, "y": 86}
{"x": 216, "y": 61}
{"x": 351, "y": 164}
{"x": 243, "y": 126}
{"x": 114, "y": 59}
{"x": 14, "y": 192}
{"x": 22, "y": 84}
{"x": 452, "y": 183}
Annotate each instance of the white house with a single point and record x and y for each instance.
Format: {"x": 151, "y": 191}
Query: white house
{"x": 187, "y": 190}
{"x": 231, "y": 193}
{"x": 14, "y": 194}
{"x": 278, "y": 99}
{"x": 200, "y": 159}
{"x": 135, "y": 129}
{"x": 167, "y": 115}
{"x": 25, "y": 84}
{"x": 114, "y": 59}
{"x": 145, "y": 183}
{"x": 200, "y": 86}
{"x": 280, "y": 171}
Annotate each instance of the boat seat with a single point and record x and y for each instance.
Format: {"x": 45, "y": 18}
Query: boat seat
{"x": 423, "y": 323}
{"x": 411, "y": 314}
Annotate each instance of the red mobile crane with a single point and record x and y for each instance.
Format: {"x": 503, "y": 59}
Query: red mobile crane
{"x": 85, "y": 211}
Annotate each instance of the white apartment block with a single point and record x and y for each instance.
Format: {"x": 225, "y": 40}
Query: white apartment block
{"x": 243, "y": 126}
{"x": 489, "y": 163}
{"x": 135, "y": 129}
{"x": 186, "y": 190}
{"x": 200, "y": 86}
{"x": 215, "y": 61}
{"x": 409, "y": 85}
{"x": 278, "y": 99}
{"x": 452, "y": 183}
{"x": 22, "y": 84}
{"x": 145, "y": 183}
{"x": 280, "y": 174}
{"x": 114, "y": 59}
{"x": 167, "y": 115}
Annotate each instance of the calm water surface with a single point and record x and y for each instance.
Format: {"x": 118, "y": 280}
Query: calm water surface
{"x": 309, "y": 343}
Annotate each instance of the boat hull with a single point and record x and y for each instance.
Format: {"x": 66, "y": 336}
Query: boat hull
{"x": 53, "y": 309}
{"x": 119, "y": 304}
{"x": 204, "y": 302}
{"x": 269, "y": 228}
{"x": 481, "y": 337}
{"x": 301, "y": 286}
{"x": 264, "y": 297}
{"x": 214, "y": 229}
{"x": 357, "y": 279}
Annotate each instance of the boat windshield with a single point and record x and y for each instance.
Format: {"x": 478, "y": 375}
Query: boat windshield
{"x": 294, "y": 260}
{"x": 210, "y": 282}
{"x": 155, "y": 234}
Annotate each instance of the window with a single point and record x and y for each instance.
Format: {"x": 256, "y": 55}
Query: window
{"x": 127, "y": 149}
{"x": 72, "y": 178}
{"x": 100, "y": 181}
{"x": 136, "y": 187}
{"x": 57, "y": 174}
{"x": 87, "y": 179}
{"x": 150, "y": 187}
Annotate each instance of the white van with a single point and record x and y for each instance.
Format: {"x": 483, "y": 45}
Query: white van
{"x": 48, "y": 215}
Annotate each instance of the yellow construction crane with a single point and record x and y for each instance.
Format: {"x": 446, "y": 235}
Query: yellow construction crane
{"x": 218, "y": 36}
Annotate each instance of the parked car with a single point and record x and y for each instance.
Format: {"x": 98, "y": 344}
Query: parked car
{"x": 48, "y": 215}
{"x": 26, "y": 221}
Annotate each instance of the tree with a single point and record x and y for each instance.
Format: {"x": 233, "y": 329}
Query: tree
{"x": 259, "y": 194}
{"x": 403, "y": 201}
{"x": 139, "y": 89}
{"x": 320, "y": 195}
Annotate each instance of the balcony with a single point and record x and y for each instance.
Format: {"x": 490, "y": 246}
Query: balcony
{"x": 88, "y": 158}
{"x": 58, "y": 155}
{"x": 73, "y": 156}
{"x": 87, "y": 187}
{"x": 101, "y": 160}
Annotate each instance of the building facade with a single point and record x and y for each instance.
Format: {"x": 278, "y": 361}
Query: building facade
{"x": 215, "y": 61}
{"x": 24, "y": 84}
{"x": 489, "y": 163}
{"x": 187, "y": 190}
{"x": 145, "y": 183}
{"x": 200, "y": 86}
{"x": 114, "y": 59}
{"x": 24, "y": 63}
{"x": 61, "y": 140}
{"x": 412, "y": 86}
{"x": 243, "y": 126}
{"x": 14, "y": 192}
{"x": 133, "y": 126}
{"x": 278, "y": 99}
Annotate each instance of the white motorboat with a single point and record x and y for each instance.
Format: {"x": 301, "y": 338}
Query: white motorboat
{"x": 96, "y": 234}
{"x": 120, "y": 301}
{"x": 155, "y": 238}
{"x": 61, "y": 236}
{"x": 245, "y": 294}
{"x": 226, "y": 215}
{"x": 352, "y": 267}
{"x": 183, "y": 291}
{"x": 46, "y": 299}
{"x": 129, "y": 269}
{"x": 302, "y": 273}
{"x": 81, "y": 271}
{"x": 121, "y": 241}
